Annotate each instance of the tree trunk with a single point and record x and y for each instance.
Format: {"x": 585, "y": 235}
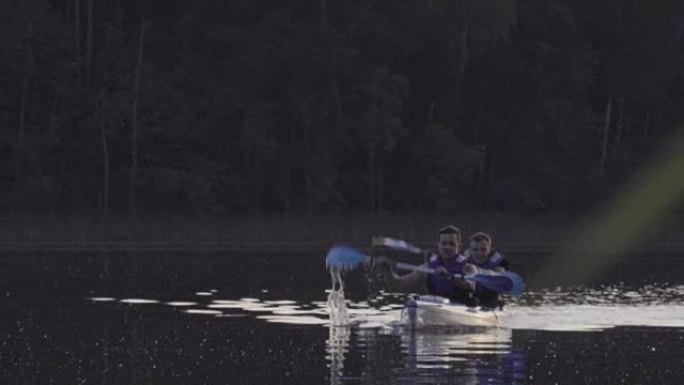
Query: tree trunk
{"x": 330, "y": 69}
{"x": 53, "y": 118}
{"x": 287, "y": 182}
{"x": 89, "y": 41}
{"x": 133, "y": 177}
{"x": 657, "y": 120}
{"x": 118, "y": 15}
{"x": 287, "y": 172}
{"x": 479, "y": 178}
{"x": 379, "y": 189}
{"x": 65, "y": 9}
{"x": 478, "y": 119}
{"x": 25, "y": 85}
{"x": 619, "y": 126}
{"x": 105, "y": 153}
{"x": 308, "y": 185}
{"x": 77, "y": 35}
{"x": 372, "y": 193}
{"x": 19, "y": 151}
{"x": 490, "y": 177}
{"x": 464, "y": 52}
{"x": 606, "y": 131}
{"x": 103, "y": 126}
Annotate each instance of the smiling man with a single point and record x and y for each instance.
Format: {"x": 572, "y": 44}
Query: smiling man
{"x": 480, "y": 255}
{"x": 447, "y": 264}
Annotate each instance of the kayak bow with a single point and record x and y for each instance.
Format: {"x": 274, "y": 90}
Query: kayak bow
{"x": 432, "y": 310}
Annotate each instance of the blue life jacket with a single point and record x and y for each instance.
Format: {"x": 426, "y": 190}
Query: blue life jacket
{"x": 441, "y": 284}
{"x": 493, "y": 261}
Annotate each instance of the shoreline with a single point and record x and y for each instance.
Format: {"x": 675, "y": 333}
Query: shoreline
{"x": 539, "y": 233}
{"x": 151, "y": 246}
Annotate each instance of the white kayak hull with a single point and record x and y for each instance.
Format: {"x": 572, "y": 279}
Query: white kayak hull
{"x": 431, "y": 310}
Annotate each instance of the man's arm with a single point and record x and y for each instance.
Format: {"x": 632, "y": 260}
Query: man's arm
{"x": 413, "y": 282}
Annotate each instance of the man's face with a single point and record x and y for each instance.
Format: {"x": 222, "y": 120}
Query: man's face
{"x": 447, "y": 245}
{"x": 480, "y": 250}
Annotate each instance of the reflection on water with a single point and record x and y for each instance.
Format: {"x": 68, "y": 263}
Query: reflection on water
{"x": 181, "y": 303}
{"x": 337, "y": 308}
{"x": 472, "y": 355}
{"x": 592, "y": 317}
{"x": 432, "y": 348}
{"x": 578, "y": 310}
{"x": 437, "y": 356}
{"x": 102, "y": 299}
{"x": 138, "y": 301}
{"x": 203, "y": 311}
{"x": 649, "y": 294}
{"x": 336, "y": 348}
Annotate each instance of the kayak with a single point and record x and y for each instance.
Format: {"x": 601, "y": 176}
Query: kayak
{"x": 432, "y": 310}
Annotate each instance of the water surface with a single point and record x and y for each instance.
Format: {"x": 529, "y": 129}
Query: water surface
{"x": 246, "y": 318}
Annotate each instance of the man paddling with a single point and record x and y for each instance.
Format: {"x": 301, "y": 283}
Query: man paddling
{"x": 480, "y": 255}
{"x": 447, "y": 263}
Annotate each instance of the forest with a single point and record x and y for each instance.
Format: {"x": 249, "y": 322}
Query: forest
{"x": 290, "y": 107}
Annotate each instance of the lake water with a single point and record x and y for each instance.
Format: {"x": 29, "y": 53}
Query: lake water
{"x": 261, "y": 318}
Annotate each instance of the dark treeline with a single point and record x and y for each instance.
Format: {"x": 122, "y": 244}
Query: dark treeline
{"x": 316, "y": 106}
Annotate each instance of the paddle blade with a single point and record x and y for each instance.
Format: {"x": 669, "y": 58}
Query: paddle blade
{"x": 344, "y": 258}
{"x": 517, "y": 283}
{"x": 395, "y": 244}
{"x": 504, "y": 282}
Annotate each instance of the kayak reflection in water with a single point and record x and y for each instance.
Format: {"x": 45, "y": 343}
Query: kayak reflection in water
{"x": 465, "y": 355}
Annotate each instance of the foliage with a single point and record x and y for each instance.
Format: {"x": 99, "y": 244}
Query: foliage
{"x": 318, "y": 106}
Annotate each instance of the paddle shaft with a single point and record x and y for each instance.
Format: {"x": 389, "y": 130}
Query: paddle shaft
{"x": 495, "y": 282}
{"x": 421, "y": 268}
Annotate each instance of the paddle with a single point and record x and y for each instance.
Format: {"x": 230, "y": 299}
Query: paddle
{"x": 345, "y": 258}
{"x": 504, "y": 282}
